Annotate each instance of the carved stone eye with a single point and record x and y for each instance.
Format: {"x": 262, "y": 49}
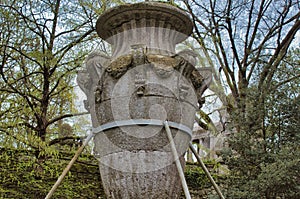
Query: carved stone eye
{"x": 108, "y": 69}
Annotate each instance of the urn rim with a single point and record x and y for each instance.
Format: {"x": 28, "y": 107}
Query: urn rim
{"x": 116, "y": 16}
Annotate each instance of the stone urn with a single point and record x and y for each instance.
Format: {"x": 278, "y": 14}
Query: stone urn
{"x": 132, "y": 92}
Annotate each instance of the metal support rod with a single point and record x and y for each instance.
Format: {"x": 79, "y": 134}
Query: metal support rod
{"x": 61, "y": 177}
{"x": 206, "y": 171}
{"x": 177, "y": 162}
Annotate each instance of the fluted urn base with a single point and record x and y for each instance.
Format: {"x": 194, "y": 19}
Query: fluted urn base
{"x": 159, "y": 184}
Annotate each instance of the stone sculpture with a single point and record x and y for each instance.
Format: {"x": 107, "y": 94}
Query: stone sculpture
{"x": 132, "y": 92}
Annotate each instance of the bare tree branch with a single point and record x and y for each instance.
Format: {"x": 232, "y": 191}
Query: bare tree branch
{"x": 65, "y": 116}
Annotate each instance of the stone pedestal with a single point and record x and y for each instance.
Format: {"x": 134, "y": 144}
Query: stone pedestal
{"x": 132, "y": 92}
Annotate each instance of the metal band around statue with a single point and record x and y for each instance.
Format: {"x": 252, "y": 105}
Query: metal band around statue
{"x": 143, "y": 122}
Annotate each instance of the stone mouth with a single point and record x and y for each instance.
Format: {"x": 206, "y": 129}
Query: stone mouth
{"x": 144, "y": 14}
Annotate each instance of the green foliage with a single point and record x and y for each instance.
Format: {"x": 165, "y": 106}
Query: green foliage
{"x": 256, "y": 77}
{"x": 42, "y": 44}
{"x": 264, "y": 156}
{"x": 255, "y": 173}
{"x": 196, "y": 177}
{"x": 24, "y": 176}
{"x": 281, "y": 177}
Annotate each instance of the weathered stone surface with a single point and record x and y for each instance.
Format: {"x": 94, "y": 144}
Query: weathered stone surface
{"x": 170, "y": 83}
{"x": 166, "y": 13}
{"x": 142, "y": 152}
{"x": 159, "y": 26}
{"x": 144, "y": 79}
{"x": 161, "y": 183}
